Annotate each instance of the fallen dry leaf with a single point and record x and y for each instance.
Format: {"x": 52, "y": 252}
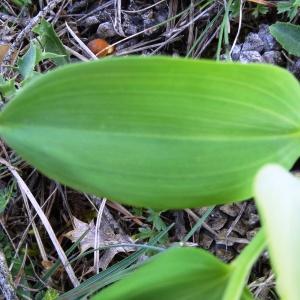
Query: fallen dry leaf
{"x": 79, "y": 230}
{"x": 3, "y": 50}
{"x": 4, "y": 47}
{"x": 110, "y": 234}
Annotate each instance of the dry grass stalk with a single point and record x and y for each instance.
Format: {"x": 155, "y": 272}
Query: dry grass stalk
{"x": 23, "y": 187}
{"x": 97, "y": 236}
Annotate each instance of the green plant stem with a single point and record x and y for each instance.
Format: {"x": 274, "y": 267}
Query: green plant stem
{"x": 224, "y": 30}
{"x": 242, "y": 266}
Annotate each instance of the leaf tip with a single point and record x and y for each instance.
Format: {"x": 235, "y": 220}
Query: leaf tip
{"x": 267, "y": 177}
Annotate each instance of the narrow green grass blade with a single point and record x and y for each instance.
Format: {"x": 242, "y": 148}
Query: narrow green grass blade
{"x": 157, "y": 132}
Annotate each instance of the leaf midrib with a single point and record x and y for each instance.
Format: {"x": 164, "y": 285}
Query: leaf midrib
{"x": 196, "y": 138}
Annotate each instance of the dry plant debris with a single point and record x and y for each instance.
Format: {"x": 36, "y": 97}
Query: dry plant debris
{"x": 110, "y": 234}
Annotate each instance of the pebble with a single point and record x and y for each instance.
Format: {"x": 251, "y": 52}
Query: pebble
{"x": 273, "y": 57}
{"x": 106, "y": 30}
{"x": 236, "y": 52}
{"x": 250, "y": 57}
{"x": 258, "y": 47}
{"x": 253, "y": 43}
{"x": 269, "y": 41}
{"x": 131, "y": 29}
{"x": 90, "y": 21}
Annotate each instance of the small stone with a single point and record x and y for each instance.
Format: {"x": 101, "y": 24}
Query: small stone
{"x": 90, "y": 21}
{"x": 250, "y": 57}
{"x": 236, "y": 51}
{"x": 78, "y": 6}
{"x": 131, "y": 30}
{"x": 149, "y": 25}
{"x": 161, "y": 15}
{"x": 106, "y": 30}
{"x": 269, "y": 41}
{"x": 253, "y": 43}
{"x": 132, "y": 24}
{"x": 273, "y": 57}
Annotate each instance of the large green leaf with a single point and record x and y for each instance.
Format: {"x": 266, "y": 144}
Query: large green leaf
{"x": 288, "y": 35}
{"x": 176, "y": 274}
{"x": 278, "y": 197}
{"x": 157, "y": 132}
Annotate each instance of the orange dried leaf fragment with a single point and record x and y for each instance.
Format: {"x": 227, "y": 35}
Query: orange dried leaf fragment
{"x": 3, "y": 50}
{"x": 100, "y": 47}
